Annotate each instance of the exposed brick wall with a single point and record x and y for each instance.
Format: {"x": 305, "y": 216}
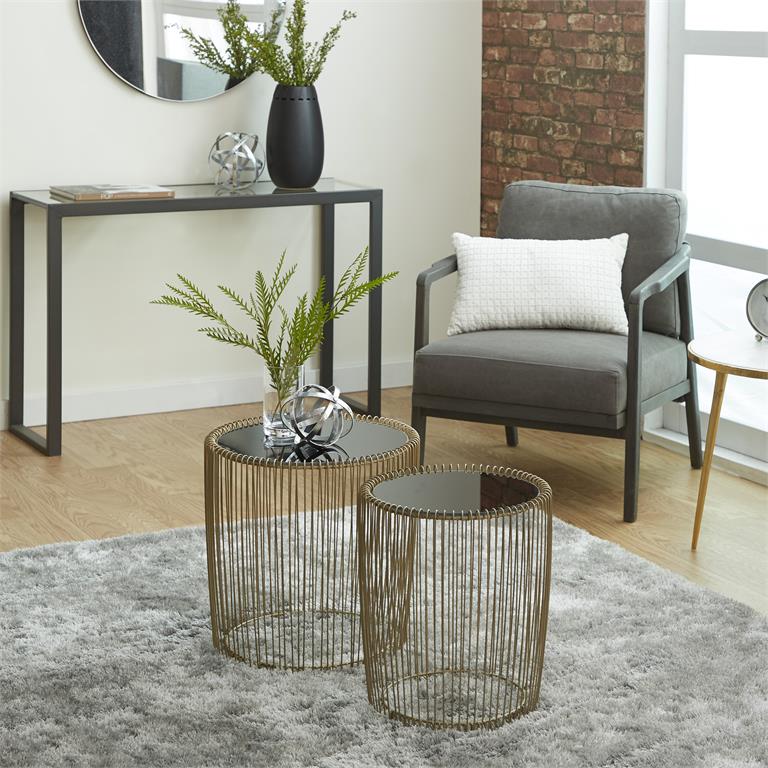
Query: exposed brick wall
{"x": 563, "y": 88}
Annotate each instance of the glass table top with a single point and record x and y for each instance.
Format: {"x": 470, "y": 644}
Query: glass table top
{"x": 455, "y": 493}
{"x": 209, "y": 191}
{"x": 366, "y": 439}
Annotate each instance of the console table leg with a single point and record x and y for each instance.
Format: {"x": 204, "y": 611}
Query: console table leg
{"x": 327, "y": 270}
{"x": 375, "y": 265}
{"x": 16, "y": 378}
{"x": 53, "y": 419}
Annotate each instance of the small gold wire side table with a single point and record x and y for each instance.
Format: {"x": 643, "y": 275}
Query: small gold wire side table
{"x": 455, "y": 567}
{"x": 281, "y": 542}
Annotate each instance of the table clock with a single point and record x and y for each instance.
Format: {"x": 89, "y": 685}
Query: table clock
{"x": 757, "y": 309}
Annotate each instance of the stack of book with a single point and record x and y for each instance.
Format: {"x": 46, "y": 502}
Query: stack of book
{"x": 90, "y": 192}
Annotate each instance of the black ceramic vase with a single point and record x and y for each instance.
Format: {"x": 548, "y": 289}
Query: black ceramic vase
{"x": 295, "y": 144}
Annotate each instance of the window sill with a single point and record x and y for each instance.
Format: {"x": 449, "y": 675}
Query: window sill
{"x": 724, "y": 459}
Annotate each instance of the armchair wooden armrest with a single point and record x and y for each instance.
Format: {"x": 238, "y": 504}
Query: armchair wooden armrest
{"x": 424, "y": 282}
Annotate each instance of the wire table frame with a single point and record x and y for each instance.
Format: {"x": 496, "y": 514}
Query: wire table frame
{"x": 455, "y": 595}
{"x": 282, "y": 547}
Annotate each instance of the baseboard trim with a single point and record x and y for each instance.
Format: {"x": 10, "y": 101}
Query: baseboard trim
{"x": 725, "y": 459}
{"x": 86, "y": 405}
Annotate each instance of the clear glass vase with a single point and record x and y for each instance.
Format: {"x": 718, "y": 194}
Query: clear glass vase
{"x": 275, "y": 397}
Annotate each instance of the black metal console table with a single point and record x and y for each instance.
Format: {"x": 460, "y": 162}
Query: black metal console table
{"x": 192, "y": 197}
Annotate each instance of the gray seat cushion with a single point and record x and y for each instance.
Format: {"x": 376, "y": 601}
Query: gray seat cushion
{"x": 567, "y": 370}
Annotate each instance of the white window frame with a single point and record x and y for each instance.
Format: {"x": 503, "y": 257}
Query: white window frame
{"x": 667, "y": 44}
{"x": 681, "y": 43}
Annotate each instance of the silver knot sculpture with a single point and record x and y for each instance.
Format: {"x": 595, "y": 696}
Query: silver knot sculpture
{"x": 318, "y": 415}
{"x": 236, "y": 160}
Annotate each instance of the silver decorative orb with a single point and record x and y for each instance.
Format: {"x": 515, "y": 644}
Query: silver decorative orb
{"x": 236, "y": 159}
{"x": 318, "y": 415}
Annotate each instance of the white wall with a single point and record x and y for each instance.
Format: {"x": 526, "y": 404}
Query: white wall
{"x": 401, "y": 105}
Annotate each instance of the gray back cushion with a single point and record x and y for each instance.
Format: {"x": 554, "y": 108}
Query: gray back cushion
{"x": 655, "y": 220}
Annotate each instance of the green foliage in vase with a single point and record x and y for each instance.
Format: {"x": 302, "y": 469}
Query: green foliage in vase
{"x": 302, "y": 62}
{"x": 244, "y": 45}
{"x": 248, "y": 51}
{"x": 287, "y": 341}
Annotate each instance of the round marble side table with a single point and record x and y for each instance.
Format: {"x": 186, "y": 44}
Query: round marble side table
{"x": 282, "y": 543}
{"x": 736, "y": 353}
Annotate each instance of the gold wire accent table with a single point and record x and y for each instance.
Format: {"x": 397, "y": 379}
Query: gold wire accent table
{"x": 455, "y": 568}
{"x": 281, "y": 542}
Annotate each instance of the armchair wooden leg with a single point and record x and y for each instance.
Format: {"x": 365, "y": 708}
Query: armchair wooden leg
{"x": 692, "y": 419}
{"x": 511, "y": 432}
{"x": 694, "y": 430}
{"x": 631, "y": 468}
{"x": 692, "y": 398}
{"x": 419, "y": 423}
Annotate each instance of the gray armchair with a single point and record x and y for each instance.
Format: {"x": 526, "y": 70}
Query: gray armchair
{"x": 565, "y": 380}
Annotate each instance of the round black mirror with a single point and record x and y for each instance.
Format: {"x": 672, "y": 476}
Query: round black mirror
{"x": 143, "y": 43}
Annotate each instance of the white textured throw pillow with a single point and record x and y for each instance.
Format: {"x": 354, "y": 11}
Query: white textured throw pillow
{"x": 507, "y": 283}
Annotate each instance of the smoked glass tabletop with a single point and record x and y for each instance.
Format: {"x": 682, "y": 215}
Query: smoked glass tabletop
{"x": 367, "y": 438}
{"x": 455, "y": 493}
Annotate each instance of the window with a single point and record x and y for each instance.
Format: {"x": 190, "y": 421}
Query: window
{"x": 717, "y": 114}
{"x": 725, "y": 159}
{"x": 716, "y": 151}
{"x": 733, "y": 16}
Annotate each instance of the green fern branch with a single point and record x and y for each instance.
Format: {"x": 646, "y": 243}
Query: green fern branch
{"x": 249, "y": 50}
{"x": 245, "y": 46}
{"x": 299, "y": 332}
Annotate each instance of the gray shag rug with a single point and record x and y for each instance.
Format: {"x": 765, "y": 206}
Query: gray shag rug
{"x": 106, "y": 660}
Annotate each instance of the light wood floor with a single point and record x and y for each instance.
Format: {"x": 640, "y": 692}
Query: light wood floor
{"x": 144, "y": 473}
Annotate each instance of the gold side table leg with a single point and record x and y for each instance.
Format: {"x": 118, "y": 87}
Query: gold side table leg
{"x": 709, "y": 450}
